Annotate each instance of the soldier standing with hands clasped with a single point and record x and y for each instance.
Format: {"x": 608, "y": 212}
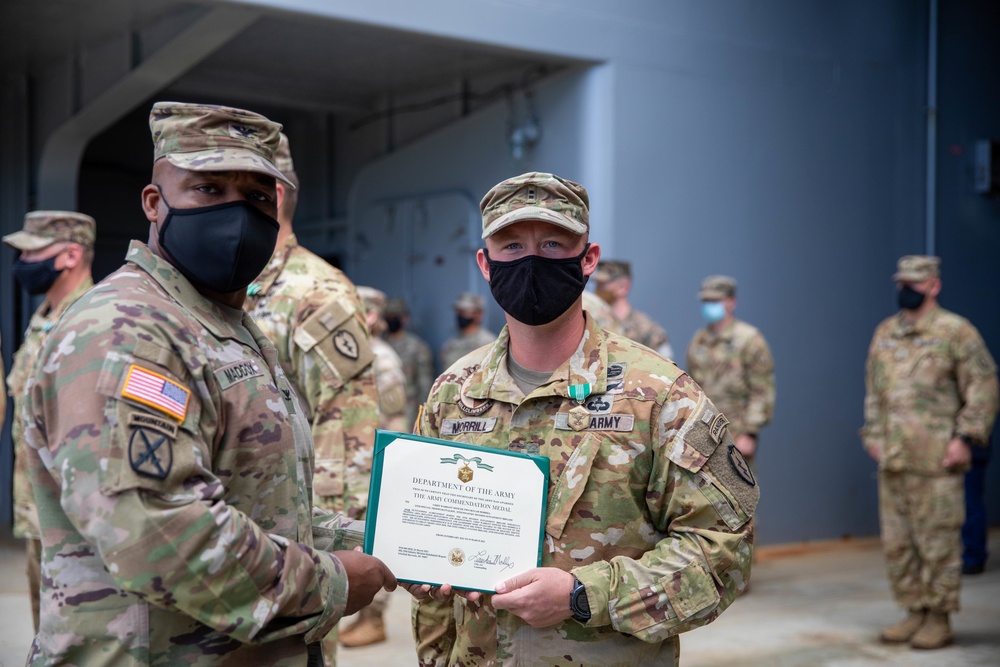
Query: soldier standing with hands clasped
{"x": 931, "y": 395}
{"x": 648, "y": 530}
{"x": 732, "y": 362}
{"x": 56, "y": 252}
{"x": 170, "y": 457}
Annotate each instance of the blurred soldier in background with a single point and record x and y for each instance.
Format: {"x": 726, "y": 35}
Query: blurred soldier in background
{"x": 601, "y": 312}
{"x": 931, "y": 395}
{"x": 418, "y": 361}
{"x": 614, "y": 284}
{"x": 368, "y": 626}
{"x": 469, "y": 309}
{"x": 388, "y": 367}
{"x": 56, "y": 254}
{"x": 170, "y": 458}
{"x": 731, "y": 361}
{"x": 312, "y": 314}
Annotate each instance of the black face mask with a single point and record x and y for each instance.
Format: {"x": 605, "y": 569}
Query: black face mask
{"x": 37, "y": 277}
{"x": 222, "y": 247}
{"x": 464, "y": 321}
{"x": 393, "y": 324}
{"x": 909, "y": 298}
{"x": 536, "y": 290}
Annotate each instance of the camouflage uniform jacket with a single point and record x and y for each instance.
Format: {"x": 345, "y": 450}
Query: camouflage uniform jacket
{"x": 171, "y": 466}
{"x": 391, "y": 383}
{"x": 645, "y": 506}
{"x": 641, "y": 328}
{"x": 25, "y": 513}
{"x": 599, "y": 309}
{"x": 312, "y": 314}
{"x": 926, "y": 383}
{"x": 459, "y": 346}
{"x": 418, "y": 367}
{"x": 736, "y": 370}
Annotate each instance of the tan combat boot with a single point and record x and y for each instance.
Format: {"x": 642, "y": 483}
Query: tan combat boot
{"x": 905, "y": 629}
{"x": 366, "y": 629}
{"x": 934, "y": 633}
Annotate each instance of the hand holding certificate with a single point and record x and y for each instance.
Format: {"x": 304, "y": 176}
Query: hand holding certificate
{"x": 444, "y": 512}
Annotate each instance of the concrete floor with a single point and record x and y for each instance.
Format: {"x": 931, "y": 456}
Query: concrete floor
{"x": 814, "y": 605}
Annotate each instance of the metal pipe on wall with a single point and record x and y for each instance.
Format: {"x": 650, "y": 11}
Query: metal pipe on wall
{"x": 931, "y": 187}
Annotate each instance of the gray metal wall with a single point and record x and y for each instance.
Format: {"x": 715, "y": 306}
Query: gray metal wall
{"x": 781, "y": 144}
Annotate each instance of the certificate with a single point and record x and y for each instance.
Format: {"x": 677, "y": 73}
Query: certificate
{"x": 445, "y": 512}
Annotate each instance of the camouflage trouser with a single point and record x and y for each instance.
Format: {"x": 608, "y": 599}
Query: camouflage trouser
{"x": 33, "y": 551}
{"x": 380, "y": 602}
{"x": 921, "y": 518}
{"x": 330, "y": 647}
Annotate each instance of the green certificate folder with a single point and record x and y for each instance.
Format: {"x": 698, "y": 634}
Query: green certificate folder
{"x": 441, "y": 511}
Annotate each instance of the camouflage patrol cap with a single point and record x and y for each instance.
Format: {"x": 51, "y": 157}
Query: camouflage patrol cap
{"x": 374, "y": 299}
{"x": 536, "y": 196}
{"x": 470, "y": 301}
{"x": 396, "y": 306}
{"x": 283, "y": 156}
{"x": 917, "y": 268}
{"x": 205, "y": 137}
{"x": 715, "y": 288}
{"x": 43, "y": 228}
{"x": 608, "y": 270}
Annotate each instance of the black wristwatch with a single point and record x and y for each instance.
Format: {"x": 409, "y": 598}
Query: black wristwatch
{"x": 967, "y": 439}
{"x": 578, "y": 603}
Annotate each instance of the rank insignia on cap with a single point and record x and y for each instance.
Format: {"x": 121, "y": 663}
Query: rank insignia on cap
{"x": 156, "y": 391}
{"x": 345, "y": 343}
{"x": 741, "y": 466}
{"x": 150, "y": 453}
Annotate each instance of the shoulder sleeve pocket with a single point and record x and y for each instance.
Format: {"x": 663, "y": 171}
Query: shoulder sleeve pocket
{"x": 151, "y": 436}
{"x": 337, "y": 341}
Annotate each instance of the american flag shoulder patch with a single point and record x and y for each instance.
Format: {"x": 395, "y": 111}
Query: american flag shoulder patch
{"x": 156, "y": 391}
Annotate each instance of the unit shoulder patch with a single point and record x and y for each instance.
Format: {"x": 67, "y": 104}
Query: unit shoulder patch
{"x": 150, "y": 453}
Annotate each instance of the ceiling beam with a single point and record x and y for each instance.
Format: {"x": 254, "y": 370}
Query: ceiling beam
{"x": 63, "y": 152}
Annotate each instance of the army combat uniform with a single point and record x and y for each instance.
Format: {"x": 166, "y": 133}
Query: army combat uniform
{"x": 459, "y": 346}
{"x": 641, "y": 328}
{"x": 171, "y": 463}
{"x": 927, "y": 382}
{"x": 735, "y": 368}
{"x": 649, "y": 505}
{"x": 418, "y": 369}
{"x": 25, "y": 513}
{"x": 312, "y": 314}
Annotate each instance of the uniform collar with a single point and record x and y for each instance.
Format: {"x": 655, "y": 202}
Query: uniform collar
{"x": 47, "y": 315}
{"x": 921, "y": 325}
{"x": 725, "y": 333}
{"x": 222, "y": 321}
{"x": 279, "y": 259}
{"x": 588, "y": 366}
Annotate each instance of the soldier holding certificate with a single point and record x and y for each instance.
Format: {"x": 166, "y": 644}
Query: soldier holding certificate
{"x": 647, "y": 531}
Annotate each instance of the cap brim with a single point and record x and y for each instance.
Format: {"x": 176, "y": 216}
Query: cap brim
{"x": 226, "y": 159}
{"x": 26, "y": 242}
{"x": 535, "y": 213}
{"x": 712, "y": 295}
{"x": 905, "y": 277}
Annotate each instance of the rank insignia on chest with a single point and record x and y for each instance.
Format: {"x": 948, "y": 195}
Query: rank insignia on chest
{"x": 578, "y": 418}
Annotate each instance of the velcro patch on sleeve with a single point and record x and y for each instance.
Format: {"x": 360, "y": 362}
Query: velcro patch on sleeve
{"x": 146, "y": 420}
{"x": 156, "y": 391}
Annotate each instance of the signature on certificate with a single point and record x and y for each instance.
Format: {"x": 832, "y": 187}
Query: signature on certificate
{"x": 497, "y": 560}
